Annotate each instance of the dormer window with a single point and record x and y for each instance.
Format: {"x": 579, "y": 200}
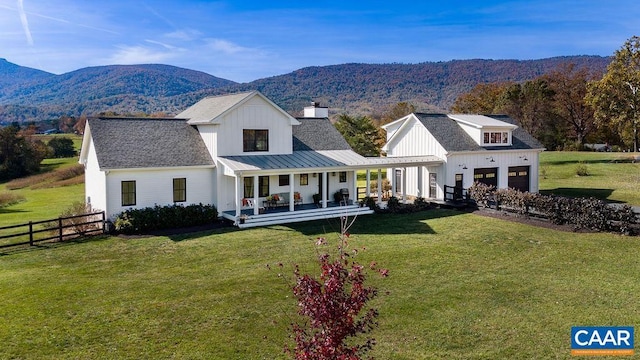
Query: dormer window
{"x": 495, "y": 138}
{"x": 255, "y": 140}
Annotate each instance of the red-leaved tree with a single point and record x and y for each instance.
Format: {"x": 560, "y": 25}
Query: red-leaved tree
{"x": 333, "y": 306}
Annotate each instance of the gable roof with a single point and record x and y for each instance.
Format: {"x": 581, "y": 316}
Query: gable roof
{"x": 317, "y": 134}
{"x": 127, "y": 143}
{"x": 453, "y": 138}
{"x": 211, "y": 109}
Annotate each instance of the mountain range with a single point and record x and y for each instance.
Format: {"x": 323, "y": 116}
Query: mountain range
{"x": 28, "y": 94}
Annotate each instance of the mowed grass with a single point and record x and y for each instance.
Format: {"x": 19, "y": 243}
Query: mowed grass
{"x": 41, "y": 201}
{"x": 611, "y": 176}
{"x": 461, "y": 286}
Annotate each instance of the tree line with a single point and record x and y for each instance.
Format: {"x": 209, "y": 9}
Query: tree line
{"x": 570, "y": 106}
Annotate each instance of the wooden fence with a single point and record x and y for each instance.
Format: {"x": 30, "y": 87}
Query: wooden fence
{"x": 62, "y": 228}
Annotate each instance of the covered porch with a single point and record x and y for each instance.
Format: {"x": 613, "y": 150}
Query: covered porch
{"x": 305, "y": 185}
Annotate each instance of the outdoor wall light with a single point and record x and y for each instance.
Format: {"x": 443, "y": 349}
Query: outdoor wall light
{"x": 490, "y": 158}
{"x": 315, "y": 174}
{"x": 523, "y": 158}
{"x": 464, "y": 166}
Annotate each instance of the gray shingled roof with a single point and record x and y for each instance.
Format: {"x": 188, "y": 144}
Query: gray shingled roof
{"x": 453, "y": 138}
{"x": 209, "y": 108}
{"x": 125, "y": 143}
{"x": 317, "y": 134}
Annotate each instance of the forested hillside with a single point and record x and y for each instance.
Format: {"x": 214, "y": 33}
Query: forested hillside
{"x": 359, "y": 89}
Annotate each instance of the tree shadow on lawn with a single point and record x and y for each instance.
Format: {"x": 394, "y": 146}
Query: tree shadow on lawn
{"x": 602, "y": 194}
{"x": 378, "y": 224}
{"x": 11, "y": 211}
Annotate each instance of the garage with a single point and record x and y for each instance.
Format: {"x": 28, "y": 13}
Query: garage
{"x": 487, "y": 176}
{"x": 519, "y": 177}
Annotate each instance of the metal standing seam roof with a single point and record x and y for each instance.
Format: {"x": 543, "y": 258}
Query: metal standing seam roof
{"x": 328, "y": 159}
{"x": 127, "y": 143}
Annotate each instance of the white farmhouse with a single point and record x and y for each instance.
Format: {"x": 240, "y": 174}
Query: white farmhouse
{"x": 259, "y": 165}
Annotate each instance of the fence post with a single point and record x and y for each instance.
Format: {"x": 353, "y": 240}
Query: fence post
{"x": 60, "y": 228}
{"x": 30, "y": 233}
{"x": 104, "y": 223}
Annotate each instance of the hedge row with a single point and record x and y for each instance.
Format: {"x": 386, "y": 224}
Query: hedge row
{"x": 164, "y": 217}
{"x": 394, "y": 206}
{"x": 581, "y": 213}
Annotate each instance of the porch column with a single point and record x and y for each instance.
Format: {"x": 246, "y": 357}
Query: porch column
{"x": 256, "y": 195}
{"x": 420, "y": 184}
{"x": 292, "y": 201}
{"x": 379, "y": 187}
{"x": 354, "y": 197}
{"x": 404, "y": 185}
{"x": 237, "y": 194}
{"x": 368, "y": 191}
{"x": 325, "y": 185}
{"x": 392, "y": 180}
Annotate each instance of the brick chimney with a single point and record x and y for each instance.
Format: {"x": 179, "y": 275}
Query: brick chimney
{"x": 316, "y": 111}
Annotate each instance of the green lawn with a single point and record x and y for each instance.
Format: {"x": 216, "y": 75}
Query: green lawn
{"x": 42, "y": 203}
{"x": 461, "y": 286}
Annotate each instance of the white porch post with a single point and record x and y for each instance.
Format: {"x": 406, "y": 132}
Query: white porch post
{"x": 420, "y": 184}
{"x": 324, "y": 189}
{"x": 256, "y": 195}
{"x": 292, "y": 201}
{"x": 354, "y": 197}
{"x": 237, "y": 194}
{"x": 368, "y": 191}
{"x": 379, "y": 187}
{"x": 404, "y": 185}
{"x": 392, "y": 180}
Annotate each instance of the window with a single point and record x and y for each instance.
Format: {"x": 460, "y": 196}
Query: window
{"x": 179, "y": 190}
{"x": 283, "y": 180}
{"x": 496, "y": 137}
{"x": 128, "y": 193}
{"x": 263, "y": 187}
{"x": 255, "y": 140}
{"x": 304, "y": 179}
{"x": 343, "y": 176}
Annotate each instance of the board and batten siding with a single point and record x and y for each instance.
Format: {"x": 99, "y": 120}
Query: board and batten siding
{"x": 502, "y": 160}
{"x": 95, "y": 181}
{"x": 254, "y": 114}
{"x": 415, "y": 140}
{"x": 155, "y": 187}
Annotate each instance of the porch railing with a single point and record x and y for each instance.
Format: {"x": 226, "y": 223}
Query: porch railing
{"x": 455, "y": 194}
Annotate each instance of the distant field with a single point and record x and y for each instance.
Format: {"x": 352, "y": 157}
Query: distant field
{"x": 611, "y": 176}
{"x": 461, "y": 286}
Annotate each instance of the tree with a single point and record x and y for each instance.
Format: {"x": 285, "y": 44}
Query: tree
{"x": 334, "y": 306}
{"x": 62, "y": 147}
{"x": 569, "y": 86}
{"x": 616, "y": 97}
{"x": 18, "y": 157}
{"x": 361, "y": 134}
{"x": 482, "y": 99}
{"x": 395, "y": 112}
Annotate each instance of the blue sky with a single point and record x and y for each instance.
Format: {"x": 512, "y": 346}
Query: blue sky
{"x": 248, "y": 40}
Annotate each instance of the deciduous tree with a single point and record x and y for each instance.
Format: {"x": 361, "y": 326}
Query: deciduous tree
{"x": 616, "y": 97}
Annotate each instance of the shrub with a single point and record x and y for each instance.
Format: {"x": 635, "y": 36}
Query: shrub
{"x": 8, "y": 199}
{"x": 581, "y": 213}
{"x": 164, "y": 217}
{"x": 79, "y": 223}
{"x": 581, "y": 169}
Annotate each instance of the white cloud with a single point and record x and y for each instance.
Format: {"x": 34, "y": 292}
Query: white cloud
{"x": 138, "y": 55}
{"x": 227, "y": 47}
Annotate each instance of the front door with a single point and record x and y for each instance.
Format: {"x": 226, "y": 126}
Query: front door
{"x": 457, "y": 191}
{"x": 320, "y": 184}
